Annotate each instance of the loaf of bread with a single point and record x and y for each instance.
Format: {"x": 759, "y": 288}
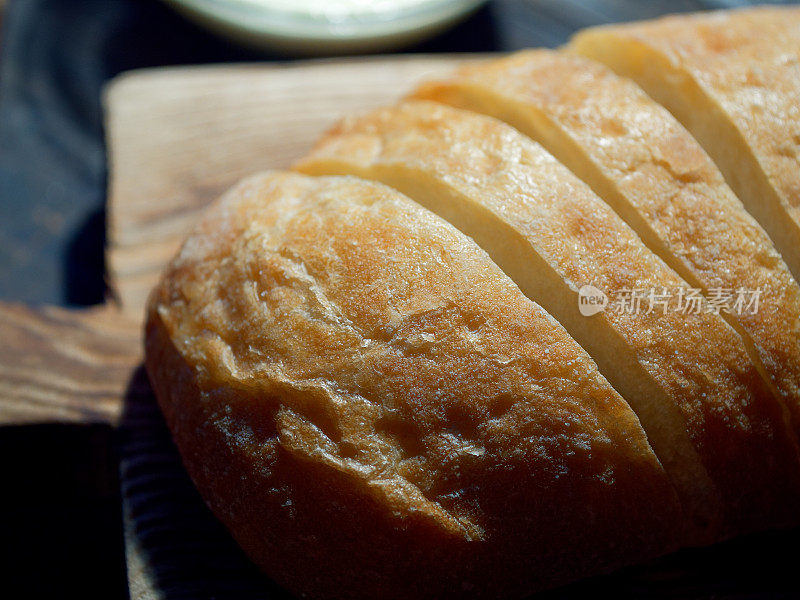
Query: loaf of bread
{"x": 441, "y": 360}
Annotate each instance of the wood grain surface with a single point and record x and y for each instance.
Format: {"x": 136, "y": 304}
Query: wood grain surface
{"x": 60, "y": 365}
{"x": 178, "y": 137}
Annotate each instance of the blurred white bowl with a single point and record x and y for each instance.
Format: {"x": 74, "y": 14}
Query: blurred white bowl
{"x": 316, "y": 27}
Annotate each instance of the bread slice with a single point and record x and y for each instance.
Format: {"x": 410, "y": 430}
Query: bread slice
{"x": 716, "y": 428}
{"x": 376, "y": 411}
{"x": 733, "y": 79}
{"x": 651, "y": 171}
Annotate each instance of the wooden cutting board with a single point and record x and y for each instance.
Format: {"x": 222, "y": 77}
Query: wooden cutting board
{"x": 177, "y": 138}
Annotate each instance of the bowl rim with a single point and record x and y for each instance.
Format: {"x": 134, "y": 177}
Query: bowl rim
{"x": 293, "y": 25}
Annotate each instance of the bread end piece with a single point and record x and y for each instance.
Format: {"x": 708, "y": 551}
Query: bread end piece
{"x": 374, "y": 410}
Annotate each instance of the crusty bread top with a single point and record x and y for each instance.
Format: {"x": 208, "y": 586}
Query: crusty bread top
{"x": 498, "y": 185}
{"x": 748, "y": 61}
{"x": 650, "y": 170}
{"x": 384, "y": 346}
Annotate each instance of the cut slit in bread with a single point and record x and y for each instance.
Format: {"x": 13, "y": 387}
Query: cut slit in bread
{"x": 708, "y": 414}
{"x": 650, "y": 170}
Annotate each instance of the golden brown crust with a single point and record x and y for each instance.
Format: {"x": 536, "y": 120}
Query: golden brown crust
{"x": 650, "y": 170}
{"x": 375, "y": 410}
{"x": 496, "y": 185}
{"x": 733, "y": 79}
